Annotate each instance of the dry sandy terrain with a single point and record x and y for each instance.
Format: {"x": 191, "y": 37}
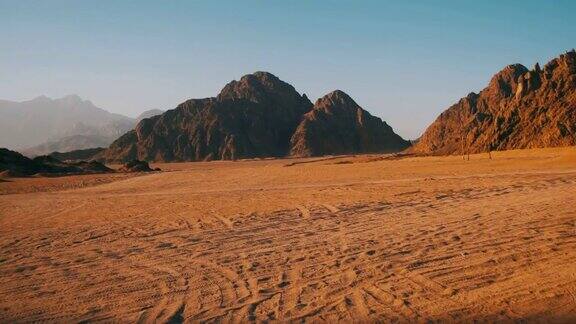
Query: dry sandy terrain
{"x": 343, "y": 239}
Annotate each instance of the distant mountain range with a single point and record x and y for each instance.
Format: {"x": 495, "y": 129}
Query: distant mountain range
{"x": 263, "y": 116}
{"x": 43, "y": 125}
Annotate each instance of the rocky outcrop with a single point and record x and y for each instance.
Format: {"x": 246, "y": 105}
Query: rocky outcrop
{"x": 338, "y": 125}
{"x": 520, "y": 108}
{"x": 252, "y": 117}
{"x": 137, "y": 166}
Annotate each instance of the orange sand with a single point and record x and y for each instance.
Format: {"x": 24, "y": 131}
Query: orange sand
{"x": 341, "y": 239}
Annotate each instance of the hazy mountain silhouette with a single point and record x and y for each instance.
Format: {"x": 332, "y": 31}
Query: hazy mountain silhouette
{"x": 33, "y": 122}
{"x": 44, "y": 125}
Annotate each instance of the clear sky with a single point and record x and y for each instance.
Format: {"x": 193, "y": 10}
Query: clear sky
{"x": 404, "y": 61}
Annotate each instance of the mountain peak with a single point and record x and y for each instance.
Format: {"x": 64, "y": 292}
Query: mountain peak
{"x": 338, "y": 95}
{"x": 70, "y": 99}
{"x": 251, "y": 85}
{"x": 73, "y": 100}
{"x": 267, "y": 89}
{"x": 262, "y": 75}
{"x": 336, "y": 99}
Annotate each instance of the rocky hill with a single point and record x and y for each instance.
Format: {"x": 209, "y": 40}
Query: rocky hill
{"x": 338, "y": 125}
{"x": 520, "y": 108}
{"x": 256, "y": 116}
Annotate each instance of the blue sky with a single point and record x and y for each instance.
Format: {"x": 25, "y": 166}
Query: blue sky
{"x": 404, "y": 61}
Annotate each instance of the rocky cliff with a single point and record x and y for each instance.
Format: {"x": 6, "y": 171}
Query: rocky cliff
{"x": 520, "y": 108}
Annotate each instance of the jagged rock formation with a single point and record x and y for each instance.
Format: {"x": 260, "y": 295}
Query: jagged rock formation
{"x": 337, "y": 125}
{"x": 520, "y": 108}
{"x": 15, "y": 164}
{"x": 252, "y": 117}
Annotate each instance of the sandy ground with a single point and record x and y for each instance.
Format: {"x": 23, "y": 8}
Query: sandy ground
{"x": 319, "y": 240}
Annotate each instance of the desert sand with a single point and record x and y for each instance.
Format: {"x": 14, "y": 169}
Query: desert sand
{"x": 352, "y": 239}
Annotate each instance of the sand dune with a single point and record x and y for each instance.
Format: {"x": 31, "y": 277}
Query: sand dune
{"x": 350, "y": 239}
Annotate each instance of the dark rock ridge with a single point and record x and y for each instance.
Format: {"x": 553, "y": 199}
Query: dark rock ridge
{"x": 338, "y": 125}
{"x": 15, "y": 164}
{"x": 519, "y": 109}
{"x": 252, "y": 117}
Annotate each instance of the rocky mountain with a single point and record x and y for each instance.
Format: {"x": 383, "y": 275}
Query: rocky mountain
{"x": 41, "y": 120}
{"x": 338, "y": 125}
{"x": 520, "y": 108}
{"x": 253, "y": 117}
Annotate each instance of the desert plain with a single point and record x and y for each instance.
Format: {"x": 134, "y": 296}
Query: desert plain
{"x": 364, "y": 238}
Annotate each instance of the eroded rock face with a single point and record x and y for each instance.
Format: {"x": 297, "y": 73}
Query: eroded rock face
{"x": 337, "y": 125}
{"x": 520, "y": 108}
{"x": 252, "y": 117}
